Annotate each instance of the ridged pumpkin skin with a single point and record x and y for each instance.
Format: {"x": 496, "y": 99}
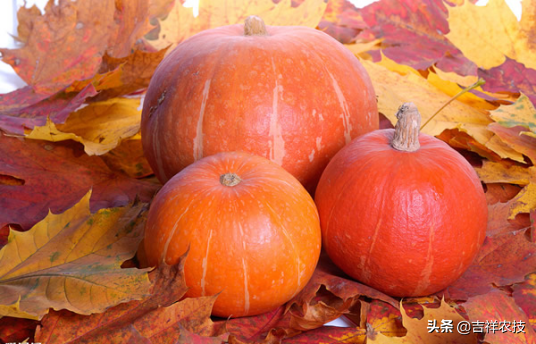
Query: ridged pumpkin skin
{"x": 294, "y": 96}
{"x": 405, "y": 223}
{"x": 257, "y": 242}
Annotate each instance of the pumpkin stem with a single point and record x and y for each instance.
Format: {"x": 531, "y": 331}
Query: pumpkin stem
{"x": 406, "y": 136}
{"x": 230, "y": 179}
{"x": 254, "y": 25}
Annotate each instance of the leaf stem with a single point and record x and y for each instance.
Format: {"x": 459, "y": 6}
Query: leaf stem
{"x": 479, "y": 82}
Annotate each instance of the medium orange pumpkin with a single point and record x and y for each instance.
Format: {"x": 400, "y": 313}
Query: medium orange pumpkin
{"x": 252, "y": 232}
{"x": 293, "y": 95}
{"x": 404, "y": 219}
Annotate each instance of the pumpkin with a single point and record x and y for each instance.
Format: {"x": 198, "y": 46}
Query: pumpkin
{"x": 251, "y": 230}
{"x": 401, "y": 211}
{"x": 293, "y": 95}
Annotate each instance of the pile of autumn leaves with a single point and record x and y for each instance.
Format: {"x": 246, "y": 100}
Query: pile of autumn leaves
{"x": 69, "y": 142}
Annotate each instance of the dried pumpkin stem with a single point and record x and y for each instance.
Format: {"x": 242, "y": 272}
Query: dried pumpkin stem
{"x": 230, "y": 179}
{"x": 254, "y": 26}
{"x": 406, "y": 136}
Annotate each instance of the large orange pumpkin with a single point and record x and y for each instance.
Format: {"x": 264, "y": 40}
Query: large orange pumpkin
{"x": 291, "y": 94}
{"x": 252, "y": 231}
{"x": 404, "y": 219}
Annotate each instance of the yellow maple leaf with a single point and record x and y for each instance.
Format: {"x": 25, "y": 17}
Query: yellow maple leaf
{"x": 100, "y": 126}
{"x": 73, "y": 261}
{"x": 469, "y": 114}
{"x": 502, "y": 172}
{"x": 522, "y": 113}
{"x": 451, "y": 88}
{"x": 429, "y": 329}
{"x": 488, "y": 34}
{"x": 181, "y": 24}
{"x": 394, "y": 89}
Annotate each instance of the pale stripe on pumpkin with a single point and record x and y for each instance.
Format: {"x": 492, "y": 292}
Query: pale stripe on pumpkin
{"x": 344, "y": 107}
{"x": 198, "y": 139}
{"x": 424, "y": 281}
{"x": 277, "y": 146}
{"x": 204, "y": 264}
{"x": 246, "y": 290}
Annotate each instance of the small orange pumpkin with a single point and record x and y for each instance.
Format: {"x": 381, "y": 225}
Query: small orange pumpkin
{"x": 252, "y": 231}
{"x": 401, "y": 211}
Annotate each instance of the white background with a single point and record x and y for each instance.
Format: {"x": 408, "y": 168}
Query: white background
{"x": 9, "y": 80}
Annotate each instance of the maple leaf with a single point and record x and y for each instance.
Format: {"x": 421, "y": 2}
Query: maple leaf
{"x": 465, "y": 123}
{"x": 488, "y": 34}
{"x": 328, "y": 295}
{"x": 500, "y": 192}
{"x": 55, "y": 176}
{"x": 160, "y": 8}
{"x": 511, "y": 76}
{"x": 342, "y": 21}
{"x": 16, "y": 330}
{"x": 521, "y": 113}
{"x": 418, "y": 329}
{"x": 495, "y": 307}
{"x": 497, "y": 172}
{"x": 128, "y": 158}
{"x": 499, "y": 223}
{"x": 524, "y": 295}
{"x": 393, "y": 89}
{"x": 100, "y": 126}
{"x": 330, "y": 335}
{"x": 100, "y": 81}
{"x": 188, "y": 337}
{"x": 517, "y": 139}
{"x": 269, "y": 327}
{"x": 24, "y": 108}
{"x": 505, "y": 258}
{"x": 157, "y": 318}
{"x": 384, "y": 318}
{"x": 181, "y": 24}
{"x": 132, "y": 22}
{"x": 498, "y": 43}
{"x": 441, "y": 81}
{"x": 74, "y": 34}
{"x": 413, "y": 33}
{"x": 136, "y": 72}
{"x": 67, "y": 42}
{"x": 73, "y": 261}
{"x": 25, "y": 16}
